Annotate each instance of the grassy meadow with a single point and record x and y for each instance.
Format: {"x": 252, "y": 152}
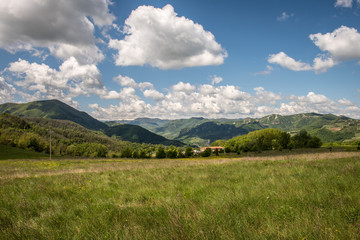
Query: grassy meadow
{"x": 297, "y": 196}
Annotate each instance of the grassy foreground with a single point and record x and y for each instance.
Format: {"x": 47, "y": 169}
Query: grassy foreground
{"x": 314, "y": 196}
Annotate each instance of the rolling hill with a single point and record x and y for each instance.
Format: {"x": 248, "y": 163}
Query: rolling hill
{"x": 53, "y": 109}
{"x": 133, "y": 133}
{"x": 34, "y": 133}
{"x": 150, "y": 124}
{"x": 172, "y": 129}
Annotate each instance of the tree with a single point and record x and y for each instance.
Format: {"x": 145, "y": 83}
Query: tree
{"x": 314, "y": 142}
{"x": 227, "y": 149}
{"x": 135, "y": 154}
{"x": 304, "y": 139}
{"x": 172, "y": 152}
{"x": 143, "y": 154}
{"x": 126, "y": 153}
{"x": 206, "y": 152}
{"x": 160, "y": 152}
{"x": 98, "y": 150}
{"x": 189, "y": 152}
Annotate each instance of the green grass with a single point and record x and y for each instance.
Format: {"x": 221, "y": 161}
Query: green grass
{"x": 315, "y": 196}
{"x": 7, "y": 152}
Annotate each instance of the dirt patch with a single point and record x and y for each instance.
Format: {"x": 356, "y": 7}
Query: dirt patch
{"x": 335, "y": 129}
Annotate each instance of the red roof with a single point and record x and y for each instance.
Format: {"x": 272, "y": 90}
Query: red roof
{"x": 212, "y": 148}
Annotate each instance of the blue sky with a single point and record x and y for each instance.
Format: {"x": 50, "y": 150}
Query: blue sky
{"x": 178, "y": 59}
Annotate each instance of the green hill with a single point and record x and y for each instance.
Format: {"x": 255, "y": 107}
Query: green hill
{"x": 150, "y": 124}
{"x": 67, "y": 138}
{"x": 133, "y": 133}
{"x": 328, "y": 127}
{"x": 211, "y": 131}
{"x": 172, "y": 129}
{"x": 53, "y": 109}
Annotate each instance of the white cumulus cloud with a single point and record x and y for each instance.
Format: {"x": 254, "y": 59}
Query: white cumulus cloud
{"x": 343, "y": 44}
{"x": 71, "y": 80}
{"x": 184, "y": 87}
{"x": 7, "y": 91}
{"x": 160, "y": 38}
{"x": 287, "y": 62}
{"x": 153, "y": 94}
{"x": 63, "y": 27}
{"x": 344, "y": 3}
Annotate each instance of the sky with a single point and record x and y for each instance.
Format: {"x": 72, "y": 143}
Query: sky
{"x": 127, "y": 59}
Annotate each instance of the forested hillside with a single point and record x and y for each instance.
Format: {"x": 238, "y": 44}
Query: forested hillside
{"x": 53, "y": 109}
{"x": 68, "y": 138}
{"x": 133, "y": 133}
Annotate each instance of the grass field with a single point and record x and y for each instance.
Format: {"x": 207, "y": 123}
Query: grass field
{"x": 297, "y": 196}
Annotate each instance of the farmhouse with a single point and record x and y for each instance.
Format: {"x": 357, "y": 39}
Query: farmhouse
{"x": 212, "y": 148}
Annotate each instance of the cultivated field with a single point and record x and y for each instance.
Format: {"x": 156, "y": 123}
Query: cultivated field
{"x": 297, "y": 196}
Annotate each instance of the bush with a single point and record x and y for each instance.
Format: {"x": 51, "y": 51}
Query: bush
{"x": 172, "y": 152}
{"x": 304, "y": 139}
{"x": 143, "y": 154}
{"x": 126, "y": 152}
{"x": 160, "y": 152}
{"x": 189, "y": 152}
{"x": 206, "y": 152}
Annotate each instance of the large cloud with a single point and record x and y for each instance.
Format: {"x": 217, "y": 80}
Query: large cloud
{"x": 158, "y": 37}
{"x": 61, "y": 26}
{"x": 43, "y": 82}
{"x": 343, "y": 44}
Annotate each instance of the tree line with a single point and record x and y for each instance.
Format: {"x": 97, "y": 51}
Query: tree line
{"x": 269, "y": 139}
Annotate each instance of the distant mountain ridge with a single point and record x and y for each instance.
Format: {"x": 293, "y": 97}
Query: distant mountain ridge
{"x": 200, "y": 131}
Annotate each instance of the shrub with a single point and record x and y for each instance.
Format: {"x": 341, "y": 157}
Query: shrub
{"x": 206, "y": 152}
{"x": 160, "y": 152}
{"x": 189, "y": 152}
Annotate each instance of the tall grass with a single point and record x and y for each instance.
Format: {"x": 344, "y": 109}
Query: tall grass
{"x": 292, "y": 198}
